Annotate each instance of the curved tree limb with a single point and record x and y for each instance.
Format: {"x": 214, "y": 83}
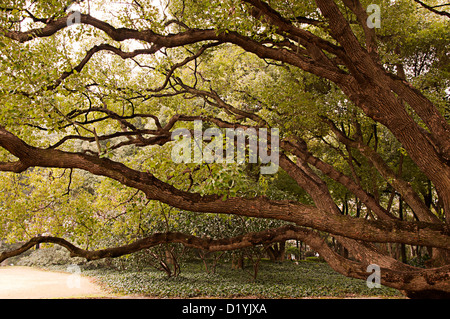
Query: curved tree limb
{"x": 184, "y": 38}
{"x": 238, "y": 242}
{"x": 411, "y": 279}
{"x": 432, "y": 8}
{"x": 417, "y": 233}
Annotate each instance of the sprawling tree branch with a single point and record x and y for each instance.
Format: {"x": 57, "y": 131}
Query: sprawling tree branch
{"x": 398, "y": 279}
{"x": 417, "y": 233}
{"x": 432, "y": 9}
{"x": 264, "y": 237}
{"x": 98, "y": 48}
{"x": 184, "y": 38}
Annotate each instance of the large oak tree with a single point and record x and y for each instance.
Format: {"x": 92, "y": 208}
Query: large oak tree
{"x": 340, "y": 92}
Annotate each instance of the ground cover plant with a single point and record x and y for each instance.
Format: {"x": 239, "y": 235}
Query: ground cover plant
{"x": 283, "y": 280}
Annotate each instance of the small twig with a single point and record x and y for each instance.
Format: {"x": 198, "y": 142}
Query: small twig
{"x": 70, "y": 182}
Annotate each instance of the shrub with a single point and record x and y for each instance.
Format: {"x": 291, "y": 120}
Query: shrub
{"x": 275, "y": 280}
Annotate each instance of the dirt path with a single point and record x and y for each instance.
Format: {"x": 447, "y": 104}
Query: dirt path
{"x": 30, "y": 283}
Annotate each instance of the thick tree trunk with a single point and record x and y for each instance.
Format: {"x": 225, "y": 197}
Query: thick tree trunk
{"x": 237, "y": 261}
{"x": 276, "y": 251}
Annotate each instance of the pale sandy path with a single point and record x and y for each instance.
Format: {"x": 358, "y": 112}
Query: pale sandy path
{"x": 30, "y": 283}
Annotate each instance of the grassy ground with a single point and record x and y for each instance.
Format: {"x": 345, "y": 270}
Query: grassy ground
{"x": 275, "y": 280}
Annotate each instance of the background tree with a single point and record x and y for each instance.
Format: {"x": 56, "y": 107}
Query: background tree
{"x": 355, "y": 106}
